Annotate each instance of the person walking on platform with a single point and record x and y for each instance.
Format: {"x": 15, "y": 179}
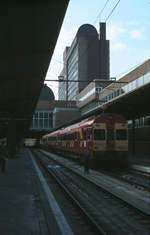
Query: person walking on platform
{"x": 3, "y": 155}
{"x": 86, "y": 163}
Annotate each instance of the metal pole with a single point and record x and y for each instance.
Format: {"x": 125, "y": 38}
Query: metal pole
{"x": 133, "y": 137}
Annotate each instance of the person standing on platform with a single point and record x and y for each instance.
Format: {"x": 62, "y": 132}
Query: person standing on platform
{"x": 3, "y": 155}
{"x": 86, "y": 163}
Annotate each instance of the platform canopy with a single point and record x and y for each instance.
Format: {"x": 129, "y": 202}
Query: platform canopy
{"x": 28, "y": 35}
{"x": 132, "y": 105}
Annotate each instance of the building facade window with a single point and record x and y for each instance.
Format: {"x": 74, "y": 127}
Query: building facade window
{"x": 73, "y": 74}
{"x": 42, "y": 120}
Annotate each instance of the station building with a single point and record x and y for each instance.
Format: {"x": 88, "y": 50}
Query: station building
{"x": 89, "y": 99}
{"x": 43, "y": 116}
{"x": 85, "y": 60}
{"x": 51, "y": 113}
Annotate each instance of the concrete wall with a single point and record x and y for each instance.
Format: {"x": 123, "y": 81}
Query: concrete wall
{"x": 61, "y": 117}
{"x": 142, "y": 140}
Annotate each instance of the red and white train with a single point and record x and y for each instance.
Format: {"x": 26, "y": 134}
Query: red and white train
{"x": 104, "y": 137}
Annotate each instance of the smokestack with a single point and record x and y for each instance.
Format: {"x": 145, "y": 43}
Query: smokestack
{"x": 102, "y": 31}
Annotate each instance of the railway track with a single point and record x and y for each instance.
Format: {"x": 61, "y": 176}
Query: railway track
{"x": 106, "y": 213}
{"x": 135, "y": 178}
{"x": 79, "y": 220}
{"x": 138, "y": 179}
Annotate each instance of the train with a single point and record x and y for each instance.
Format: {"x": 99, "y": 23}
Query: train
{"x": 104, "y": 137}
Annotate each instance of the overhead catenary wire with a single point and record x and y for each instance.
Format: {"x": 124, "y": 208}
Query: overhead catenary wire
{"x": 112, "y": 10}
{"x": 98, "y": 80}
{"x": 131, "y": 68}
{"x": 98, "y": 16}
{"x": 117, "y": 75}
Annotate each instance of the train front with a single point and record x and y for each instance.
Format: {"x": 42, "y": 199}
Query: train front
{"x": 110, "y": 141}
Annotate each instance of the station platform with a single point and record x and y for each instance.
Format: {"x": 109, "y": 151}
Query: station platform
{"x": 28, "y": 208}
{"x": 20, "y": 213}
{"x": 140, "y": 159}
{"x": 140, "y": 162}
{"x": 22, "y": 200}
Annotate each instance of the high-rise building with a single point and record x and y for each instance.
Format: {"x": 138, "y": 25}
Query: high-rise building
{"x": 85, "y": 60}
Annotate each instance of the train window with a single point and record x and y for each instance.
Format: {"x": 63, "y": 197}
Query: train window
{"x": 99, "y": 134}
{"x": 110, "y": 134}
{"x": 121, "y": 134}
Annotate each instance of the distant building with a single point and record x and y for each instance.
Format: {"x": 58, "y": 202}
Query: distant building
{"x": 85, "y": 60}
{"x": 43, "y": 116}
{"x": 88, "y": 98}
{"x": 51, "y": 113}
{"x": 97, "y": 94}
{"x": 65, "y": 111}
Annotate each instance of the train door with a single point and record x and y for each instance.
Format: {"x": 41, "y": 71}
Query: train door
{"x": 99, "y": 137}
{"x": 110, "y": 139}
{"x": 121, "y": 137}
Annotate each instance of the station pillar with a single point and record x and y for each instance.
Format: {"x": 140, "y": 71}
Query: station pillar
{"x": 133, "y": 137}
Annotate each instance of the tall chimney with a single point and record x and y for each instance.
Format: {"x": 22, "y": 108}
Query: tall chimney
{"x": 102, "y": 31}
{"x": 103, "y": 53}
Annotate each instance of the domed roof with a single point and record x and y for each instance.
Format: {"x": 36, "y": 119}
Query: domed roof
{"x": 46, "y": 93}
{"x": 87, "y": 29}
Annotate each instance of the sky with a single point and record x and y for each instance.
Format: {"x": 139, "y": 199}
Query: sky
{"x": 127, "y": 28}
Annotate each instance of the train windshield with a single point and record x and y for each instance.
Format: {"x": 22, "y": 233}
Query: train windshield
{"x": 121, "y": 134}
{"x": 99, "y": 134}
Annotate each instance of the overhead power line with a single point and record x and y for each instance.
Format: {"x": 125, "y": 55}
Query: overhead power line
{"x": 112, "y": 10}
{"x": 97, "y": 80}
{"x": 131, "y": 68}
{"x": 101, "y": 11}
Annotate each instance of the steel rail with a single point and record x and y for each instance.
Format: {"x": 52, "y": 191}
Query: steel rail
{"x": 128, "y": 204}
{"x": 130, "y": 180}
{"x": 87, "y": 205}
{"x": 95, "y": 226}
